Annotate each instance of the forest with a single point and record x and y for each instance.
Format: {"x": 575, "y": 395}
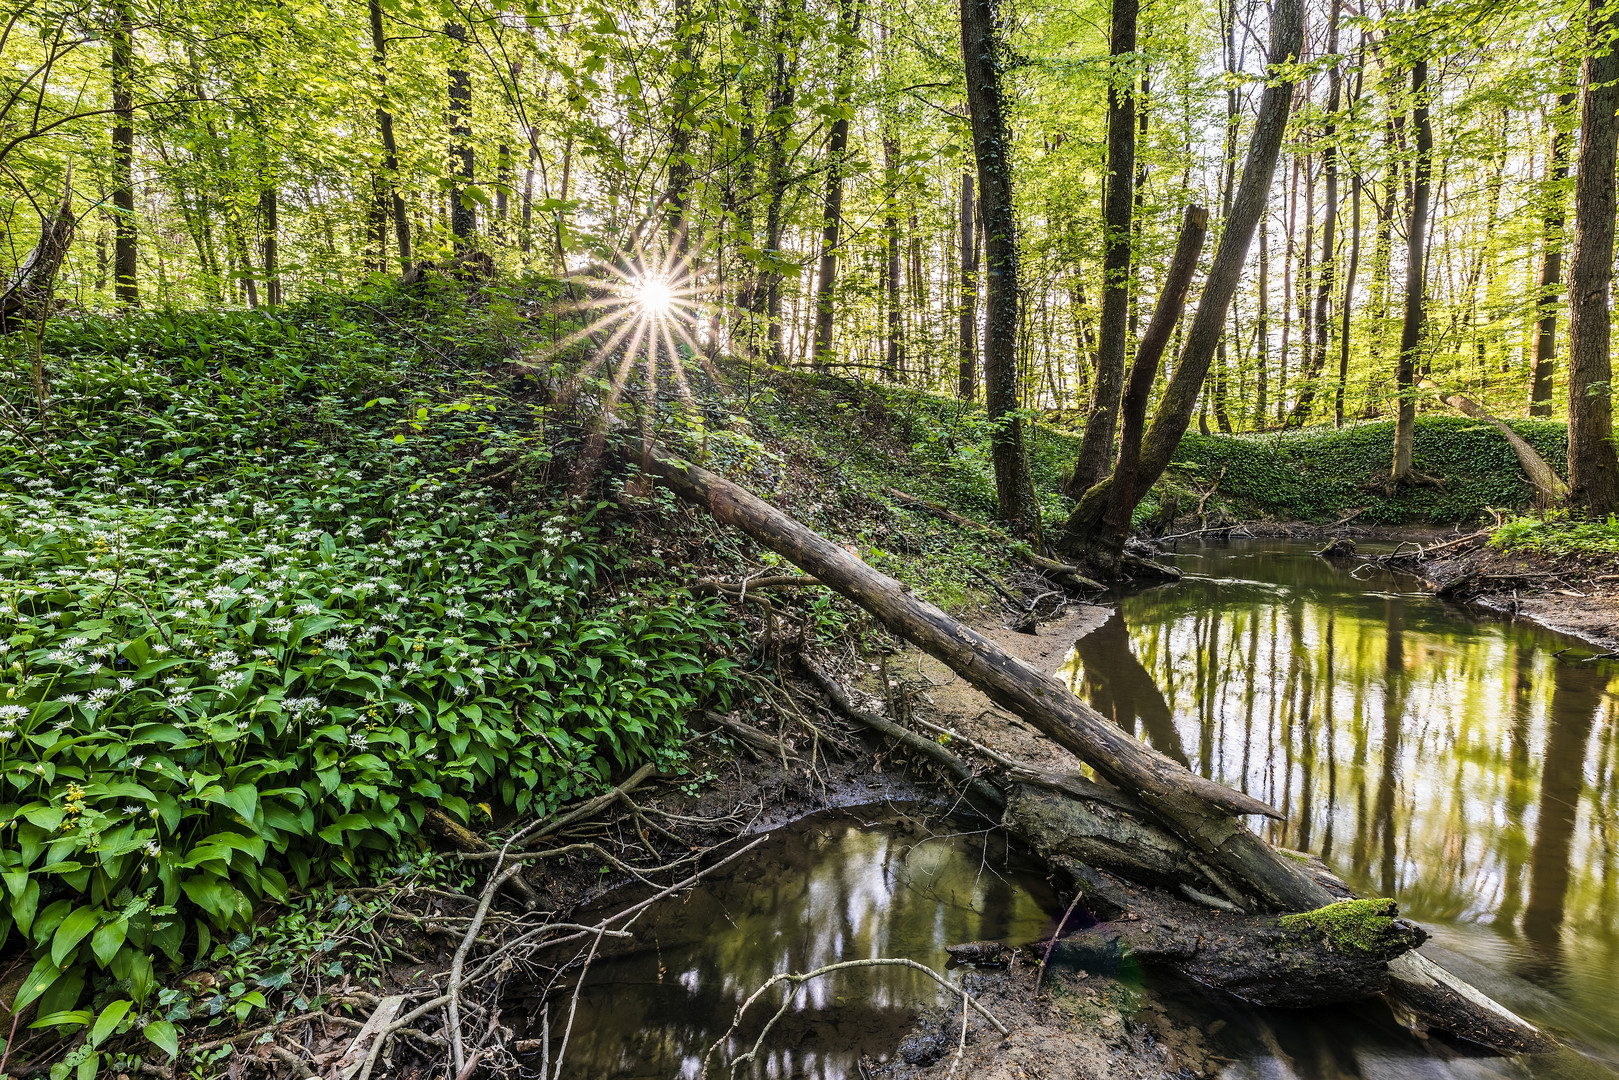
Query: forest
{"x": 480, "y": 475}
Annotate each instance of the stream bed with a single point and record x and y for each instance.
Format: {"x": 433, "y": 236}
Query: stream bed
{"x": 1467, "y": 766}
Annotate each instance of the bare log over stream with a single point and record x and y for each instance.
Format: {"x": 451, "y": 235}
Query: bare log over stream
{"x": 1198, "y": 811}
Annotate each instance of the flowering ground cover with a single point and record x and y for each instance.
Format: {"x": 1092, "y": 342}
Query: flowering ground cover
{"x": 254, "y": 622}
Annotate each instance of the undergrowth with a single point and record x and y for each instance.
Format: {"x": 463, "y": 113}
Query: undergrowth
{"x": 1557, "y": 533}
{"x": 255, "y": 622}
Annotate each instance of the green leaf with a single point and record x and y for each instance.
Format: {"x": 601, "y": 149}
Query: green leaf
{"x": 108, "y": 939}
{"x": 162, "y": 1034}
{"x": 108, "y": 1021}
{"x": 79, "y": 922}
{"x": 39, "y": 980}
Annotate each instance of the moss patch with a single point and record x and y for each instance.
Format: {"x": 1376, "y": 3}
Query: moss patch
{"x": 1349, "y": 925}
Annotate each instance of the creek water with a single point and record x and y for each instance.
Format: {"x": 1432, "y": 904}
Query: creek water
{"x": 1464, "y": 764}
{"x": 841, "y": 885}
{"x": 1467, "y": 766}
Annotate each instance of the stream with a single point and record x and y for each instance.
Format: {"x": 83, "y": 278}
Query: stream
{"x": 1466, "y": 765}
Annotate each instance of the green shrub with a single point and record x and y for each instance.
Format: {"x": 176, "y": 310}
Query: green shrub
{"x": 254, "y": 623}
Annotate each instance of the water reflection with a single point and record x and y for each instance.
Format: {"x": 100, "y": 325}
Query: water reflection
{"x": 1453, "y": 762}
{"x": 825, "y": 890}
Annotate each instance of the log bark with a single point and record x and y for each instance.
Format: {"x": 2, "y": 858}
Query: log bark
{"x": 1547, "y": 483}
{"x": 1282, "y": 963}
{"x": 1200, "y": 812}
{"x": 31, "y": 287}
{"x": 1593, "y": 467}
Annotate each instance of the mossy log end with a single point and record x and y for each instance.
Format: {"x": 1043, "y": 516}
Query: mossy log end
{"x": 1286, "y": 962}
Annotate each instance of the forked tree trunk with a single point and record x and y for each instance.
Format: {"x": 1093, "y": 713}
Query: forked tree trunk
{"x": 1201, "y": 813}
{"x": 1082, "y": 537}
{"x": 30, "y": 289}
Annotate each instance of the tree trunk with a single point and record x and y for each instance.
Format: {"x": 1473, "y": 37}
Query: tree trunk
{"x": 29, "y": 292}
{"x": 1199, "y": 812}
{"x": 980, "y": 50}
{"x": 463, "y": 218}
{"x": 390, "y": 149}
{"x": 894, "y": 356}
{"x": 125, "y": 261}
{"x": 1098, "y": 527}
{"x": 270, "y": 246}
{"x": 1225, "y": 273}
{"x": 1262, "y": 330}
{"x": 1354, "y": 258}
{"x": 1415, "y": 271}
{"x": 1096, "y": 446}
{"x": 680, "y": 127}
{"x": 1551, "y": 257}
{"x": 837, "y": 146}
{"x": 1228, "y": 181}
{"x": 967, "y": 377}
{"x": 1548, "y": 485}
{"x": 1593, "y": 471}
{"x": 1329, "y": 219}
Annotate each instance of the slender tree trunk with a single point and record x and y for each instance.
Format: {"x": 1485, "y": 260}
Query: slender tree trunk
{"x": 1287, "y": 290}
{"x": 1262, "y": 328}
{"x": 463, "y": 218}
{"x": 967, "y": 378}
{"x": 1593, "y": 471}
{"x": 832, "y": 209}
{"x": 1228, "y": 181}
{"x": 1329, "y": 220}
{"x": 680, "y": 126}
{"x": 1411, "y": 330}
{"x": 894, "y": 357}
{"x": 1082, "y": 530}
{"x": 981, "y": 49}
{"x": 125, "y": 260}
{"x": 1551, "y": 256}
{"x": 1096, "y": 447}
{"x": 390, "y": 149}
{"x": 528, "y": 198}
{"x": 270, "y": 246}
{"x": 1354, "y": 259}
{"x": 784, "y": 95}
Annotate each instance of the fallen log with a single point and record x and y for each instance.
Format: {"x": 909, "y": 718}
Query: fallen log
{"x": 1336, "y": 954}
{"x": 1551, "y": 488}
{"x": 1200, "y": 812}
{"x": 1098, "y": 835}
{"x": 32, "y": 286}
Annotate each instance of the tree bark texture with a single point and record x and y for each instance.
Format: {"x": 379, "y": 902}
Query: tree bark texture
{"x": 463, "y": 218}
{"x": 1096, "y": 445}
{"x": 33, "y": 284}
{"x": 390, "y": 148}
{"x": 1551, "y": 259}
{"x": 981, "y": 51}
{"x": 125, "y": 260}
{"x": 1548, "y": 485}
{"x": 1416, "y": 270}
{"x": 1593, "y": 471}
{"x": 967, "y": 376}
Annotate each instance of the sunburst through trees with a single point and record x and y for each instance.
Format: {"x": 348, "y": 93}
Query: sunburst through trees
{"x": 649, "y": 316}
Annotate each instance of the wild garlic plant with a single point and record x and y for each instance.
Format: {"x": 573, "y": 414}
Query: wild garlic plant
{"x": 231, "y": 672}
